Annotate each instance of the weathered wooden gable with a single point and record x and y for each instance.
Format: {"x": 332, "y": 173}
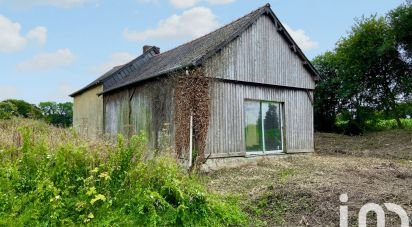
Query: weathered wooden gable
{"x": 261, "y": 55}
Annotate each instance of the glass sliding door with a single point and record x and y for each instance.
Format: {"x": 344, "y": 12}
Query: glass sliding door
{"x": 272, "y": 129}
{"x": 253, "y": 124}
{"x": 263, "y": 126}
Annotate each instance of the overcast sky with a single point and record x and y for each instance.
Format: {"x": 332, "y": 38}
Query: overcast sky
{"x": 50, "y": 48}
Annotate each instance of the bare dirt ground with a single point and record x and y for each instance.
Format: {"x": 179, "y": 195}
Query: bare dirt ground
{"x": 393, "y": 144}
{"x": 304, "y": 190}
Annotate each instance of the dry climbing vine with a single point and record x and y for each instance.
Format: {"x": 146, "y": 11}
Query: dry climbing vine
{"x": 192, "y": 97}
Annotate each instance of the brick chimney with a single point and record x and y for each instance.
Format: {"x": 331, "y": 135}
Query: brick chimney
{"x": 147, "y": 48}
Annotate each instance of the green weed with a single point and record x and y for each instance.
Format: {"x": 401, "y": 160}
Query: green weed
{"x": 51, "y": 177}
{"x": 379, "y": 124}
{"x": 276, "y": 204}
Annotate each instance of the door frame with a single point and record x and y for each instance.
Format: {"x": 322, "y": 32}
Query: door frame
{"x": 281, "y": 117}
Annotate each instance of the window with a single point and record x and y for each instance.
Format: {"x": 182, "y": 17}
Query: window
{"x": 263, "y": 126}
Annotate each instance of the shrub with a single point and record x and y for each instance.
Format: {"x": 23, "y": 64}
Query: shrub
{"x": 57, "y": 114}
{"x": 7, "y": 110}
{"x": 383, "y": 124}
{"x": 25, "y": 109}
{"x": 49, "y": 176}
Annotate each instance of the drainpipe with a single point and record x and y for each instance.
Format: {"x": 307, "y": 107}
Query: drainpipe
{"x": 190, "y": 133}
{"x": 191, "y": 140}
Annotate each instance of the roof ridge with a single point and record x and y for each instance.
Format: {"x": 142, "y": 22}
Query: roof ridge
{"x": 112, "y": 72}
{"x": 234, "y": 34}
{"x": 132, "y": 61}
{"x": 195, "y": 52}
{"x": 218, "y": 29}
{"x": 255, "y": 13}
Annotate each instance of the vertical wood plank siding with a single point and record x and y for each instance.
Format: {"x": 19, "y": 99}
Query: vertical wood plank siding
{"x": 151, "y": 109}
{"x": 116, "y": 112}
{"x": 260, "y": 55}
{"x": 226, "y": 133}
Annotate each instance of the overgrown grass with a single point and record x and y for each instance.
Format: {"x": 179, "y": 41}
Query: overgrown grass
{"x": 276, "y": 203}
{"x": 50, "y": 176}
{"x": 379, "y": 124}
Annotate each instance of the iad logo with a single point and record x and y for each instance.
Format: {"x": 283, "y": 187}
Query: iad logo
{"x": 372, "y": 207}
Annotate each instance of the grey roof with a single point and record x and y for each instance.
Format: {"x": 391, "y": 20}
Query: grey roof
{"x": 119, "y": 73}
{"x": 97, "y": 81}
{"x": 128, "y": 69}
{"x": 196, "y": 52}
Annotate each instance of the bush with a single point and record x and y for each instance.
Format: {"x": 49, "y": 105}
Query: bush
{"x": 57, "y": 114}
{"x": 349, "y": 127}
{"x": 7, "y": 110}
{"x": 49, "y": 176}
{"x": 383, "y": 124}
{"x": 25, "y": 109}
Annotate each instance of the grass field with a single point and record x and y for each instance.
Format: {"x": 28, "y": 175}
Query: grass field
{"x": 51, "y": 176}
{"x": 304, "y": 190}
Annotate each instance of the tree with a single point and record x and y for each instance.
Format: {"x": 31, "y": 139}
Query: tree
{"x": 368, "y": 74}
{"x": 406, "y": 109}
{"x": 59, "y": 114}
{"x": 373, "y": 74}
{"x": 25, "y": 109}
{"x": 327, "y": 92}
{"x": 66, "y": 113}
{"x": 400, "y": 20}
{"x": 7, "y": 110}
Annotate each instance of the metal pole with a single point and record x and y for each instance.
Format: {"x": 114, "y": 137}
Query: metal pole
{"x": 191, "y": 140}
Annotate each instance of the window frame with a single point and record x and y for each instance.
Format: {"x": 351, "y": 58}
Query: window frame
{"x": 281, "y": 119}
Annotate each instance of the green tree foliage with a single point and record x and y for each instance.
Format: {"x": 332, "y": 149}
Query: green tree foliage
{"x": 326, "y": 96}
{"x": 25, "y": 109}
{"x": 374, "y": 75}
{"x": 59, "y": 114}
{"x": 400, "y": 20}
{"x": 406, "y": 109}
{"x": 7, "y": 110}
{"x": 366, "y": 74}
